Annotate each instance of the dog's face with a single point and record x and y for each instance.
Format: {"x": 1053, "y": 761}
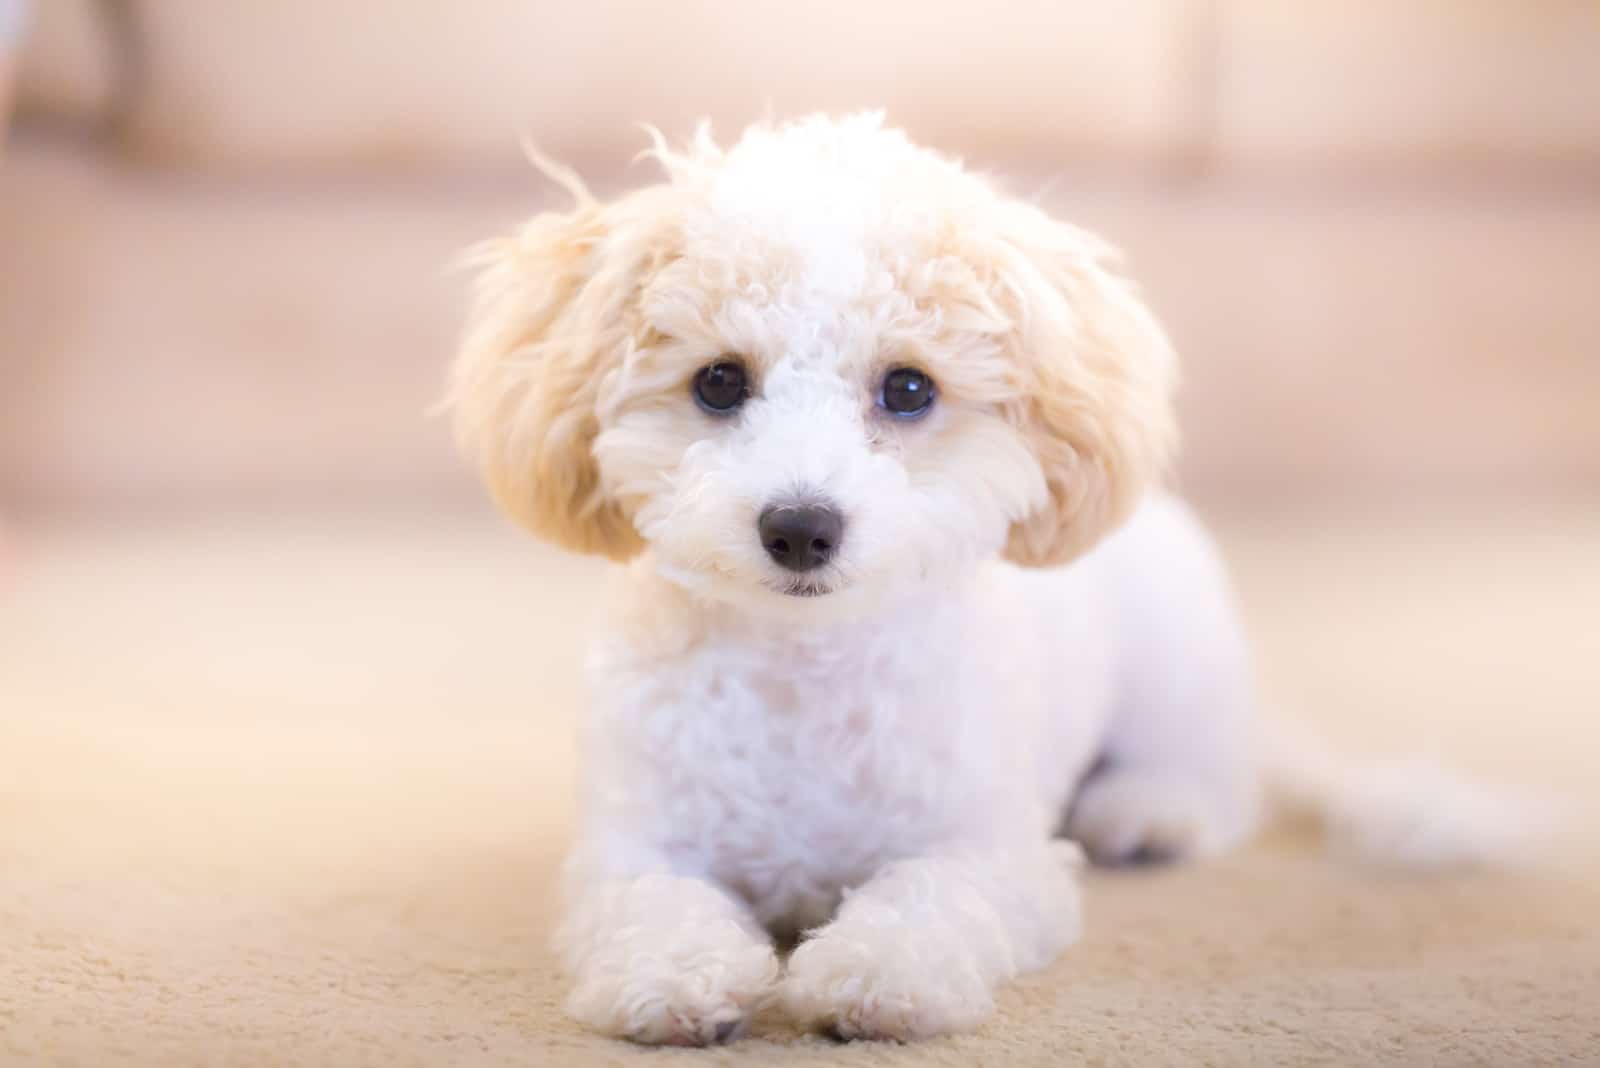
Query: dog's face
{"x": 811, "y": 371}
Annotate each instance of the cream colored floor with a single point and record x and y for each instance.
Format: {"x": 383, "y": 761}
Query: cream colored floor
{"x": 290, "y": 793}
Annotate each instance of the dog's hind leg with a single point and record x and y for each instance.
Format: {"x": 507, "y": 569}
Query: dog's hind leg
{"x": 1151, "y": 813}
{"x": 1178, "y": 768}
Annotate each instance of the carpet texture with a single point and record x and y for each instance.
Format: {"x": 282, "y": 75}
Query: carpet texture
{"x": 292, "y": 793}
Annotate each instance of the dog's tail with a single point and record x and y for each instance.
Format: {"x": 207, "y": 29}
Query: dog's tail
{"x": 1411, "y": 814}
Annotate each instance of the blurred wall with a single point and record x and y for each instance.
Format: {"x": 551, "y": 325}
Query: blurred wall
{"x": 1372, "y": 227}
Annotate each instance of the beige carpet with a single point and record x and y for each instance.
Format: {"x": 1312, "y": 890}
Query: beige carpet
{"x": 291, "y": 794}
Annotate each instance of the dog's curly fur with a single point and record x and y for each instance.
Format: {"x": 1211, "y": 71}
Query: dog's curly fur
{"x": 882, "y": 770}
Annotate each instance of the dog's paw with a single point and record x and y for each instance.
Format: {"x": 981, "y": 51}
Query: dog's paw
{"x": 1130, "y": 817}
{"x": 852, "y": 989}
{"x": 698, "y": 995}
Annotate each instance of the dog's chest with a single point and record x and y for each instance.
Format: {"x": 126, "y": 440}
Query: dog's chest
{"x": 829, "y": 780}
{"x": 791, "y": 774}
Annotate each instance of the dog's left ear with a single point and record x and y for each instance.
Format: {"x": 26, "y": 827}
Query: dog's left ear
{"x": 1094, "y": 376}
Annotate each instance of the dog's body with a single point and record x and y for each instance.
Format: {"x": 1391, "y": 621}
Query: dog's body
{"x": 871, "y": 433}
{"x": 790, "y": 765}
{"x": 948, "y": 734}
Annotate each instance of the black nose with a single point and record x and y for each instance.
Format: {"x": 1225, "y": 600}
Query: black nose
{"x": 800, "y": 536}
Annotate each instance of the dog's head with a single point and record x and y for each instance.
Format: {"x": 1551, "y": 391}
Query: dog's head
{"x": 819, "y": 366}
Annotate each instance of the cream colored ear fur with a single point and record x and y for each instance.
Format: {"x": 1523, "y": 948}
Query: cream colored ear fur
{"x": 556, "y": 313}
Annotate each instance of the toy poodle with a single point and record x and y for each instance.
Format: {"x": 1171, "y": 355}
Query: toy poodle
{"x": 905, "y": 619}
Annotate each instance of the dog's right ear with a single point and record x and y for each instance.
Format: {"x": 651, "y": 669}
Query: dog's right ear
{"x": 556, "y": 313}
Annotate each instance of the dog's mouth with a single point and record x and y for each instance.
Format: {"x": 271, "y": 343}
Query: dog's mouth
{"x": 799, "y": 588}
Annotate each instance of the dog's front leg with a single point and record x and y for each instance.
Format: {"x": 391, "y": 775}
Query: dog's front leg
{"x": 660, "y": 958}
{"x": 919, "y": 949}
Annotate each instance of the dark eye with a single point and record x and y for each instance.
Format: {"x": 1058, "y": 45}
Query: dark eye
{"x": 721, "y": 387}
{"x": 907, "y": 392}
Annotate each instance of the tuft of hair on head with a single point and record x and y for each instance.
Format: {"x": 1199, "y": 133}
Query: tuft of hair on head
{"x": 697, "y": 159}
{"x": 559, "y": 173}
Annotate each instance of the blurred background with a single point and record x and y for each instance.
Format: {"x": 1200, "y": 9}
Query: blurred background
{"x": 1373, "y": 229}
{"x": 284, "y": 709}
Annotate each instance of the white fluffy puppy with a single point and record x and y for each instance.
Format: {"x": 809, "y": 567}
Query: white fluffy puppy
{"x": 900, "y": 611}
